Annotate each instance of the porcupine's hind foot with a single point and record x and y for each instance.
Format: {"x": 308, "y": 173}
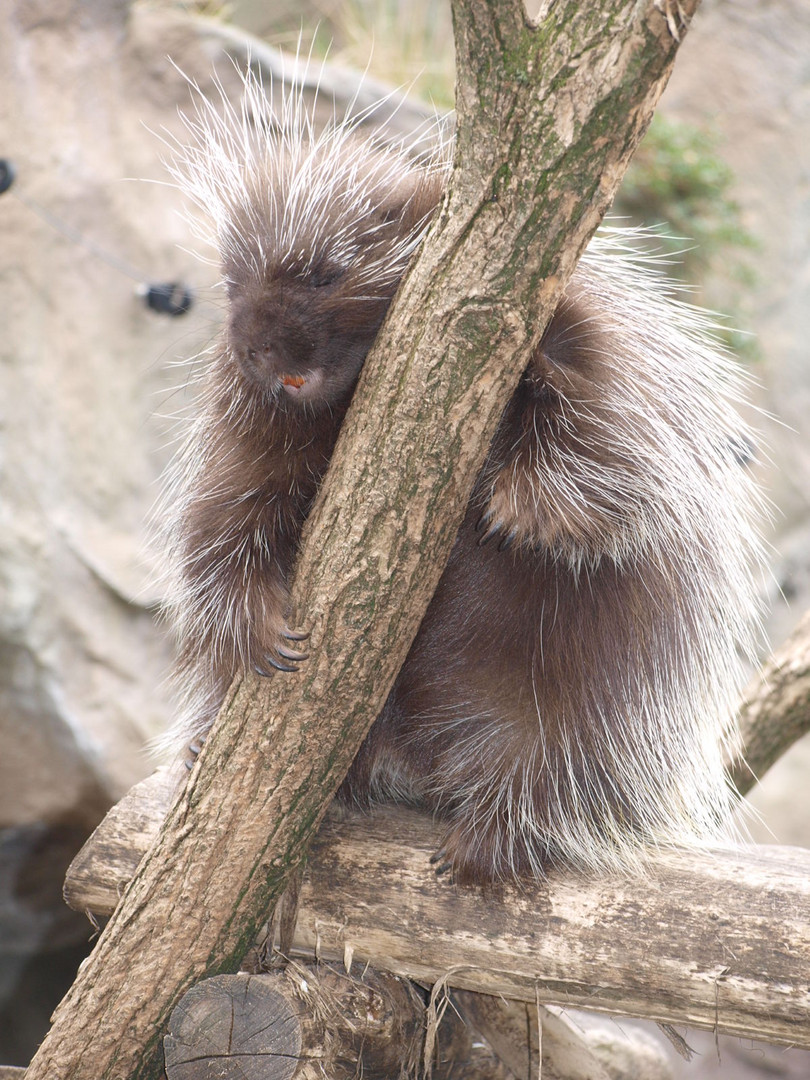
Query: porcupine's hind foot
{"x": 466, "y": 860}
{"x": 549, "y": 480}
{"x": 486, "y": 856}
{"x": 517, "y": 511}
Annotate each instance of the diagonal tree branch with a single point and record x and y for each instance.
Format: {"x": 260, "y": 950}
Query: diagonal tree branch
{"x": 775, "y": 711}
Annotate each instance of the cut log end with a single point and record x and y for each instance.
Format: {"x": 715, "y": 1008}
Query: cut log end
{"x": 237, "y": 1026}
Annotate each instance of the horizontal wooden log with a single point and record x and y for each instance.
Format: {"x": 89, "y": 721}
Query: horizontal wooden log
{"x": 719, "y": 940}
{"x": 106, "y": 864}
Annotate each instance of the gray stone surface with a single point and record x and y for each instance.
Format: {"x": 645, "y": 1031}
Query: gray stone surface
{"x": 85, "y": 369}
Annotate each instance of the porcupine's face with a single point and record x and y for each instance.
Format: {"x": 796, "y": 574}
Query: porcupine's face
{"x": 301, "y": 323}
{"x": 303, "y": 338}
{"x": 315, "y": 226}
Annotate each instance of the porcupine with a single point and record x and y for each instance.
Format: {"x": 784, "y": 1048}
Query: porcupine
{"x": 569, "y": 695}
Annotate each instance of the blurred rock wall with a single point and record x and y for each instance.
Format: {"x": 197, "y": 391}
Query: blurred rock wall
{"x": 85, "y": 376}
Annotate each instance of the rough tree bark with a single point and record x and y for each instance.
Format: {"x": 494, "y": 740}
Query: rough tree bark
{"x": 548, "y": 117}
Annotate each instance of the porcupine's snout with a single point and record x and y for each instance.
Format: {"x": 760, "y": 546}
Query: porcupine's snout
{"x": 275, "y": 369}
{"x": 271, "y": 367}
{"x": 275, "y": 351}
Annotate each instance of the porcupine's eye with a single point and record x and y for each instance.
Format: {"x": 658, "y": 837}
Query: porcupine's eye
{"x": 324, "y": 275}
{"x": 393, "y": 213}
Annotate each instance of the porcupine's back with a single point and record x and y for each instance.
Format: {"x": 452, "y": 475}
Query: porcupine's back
{"x": 566, "y": 700}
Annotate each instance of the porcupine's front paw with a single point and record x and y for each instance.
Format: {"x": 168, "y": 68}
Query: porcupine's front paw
{"x": 280, "y": 656}
{"x": 264, "y": 659}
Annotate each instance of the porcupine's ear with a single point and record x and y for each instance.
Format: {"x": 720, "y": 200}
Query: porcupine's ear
{"x": 405, "y": 207}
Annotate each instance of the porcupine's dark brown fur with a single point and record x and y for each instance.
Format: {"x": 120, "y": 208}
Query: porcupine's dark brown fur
{"x": 568, "y": 696}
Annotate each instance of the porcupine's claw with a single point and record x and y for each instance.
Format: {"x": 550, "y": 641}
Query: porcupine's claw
{"x": 440, "y": 857}
{"x": 291, "y": 654}
{"x": 279, "y": 665}
{"x": 195, "y": 749}
{"x": 484, "y": 519}
{"x": 491, "y": 532}
{"x": 493, "y": 529}
{"x": 508, "y": 540}
{"x": 295, "y": 656}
